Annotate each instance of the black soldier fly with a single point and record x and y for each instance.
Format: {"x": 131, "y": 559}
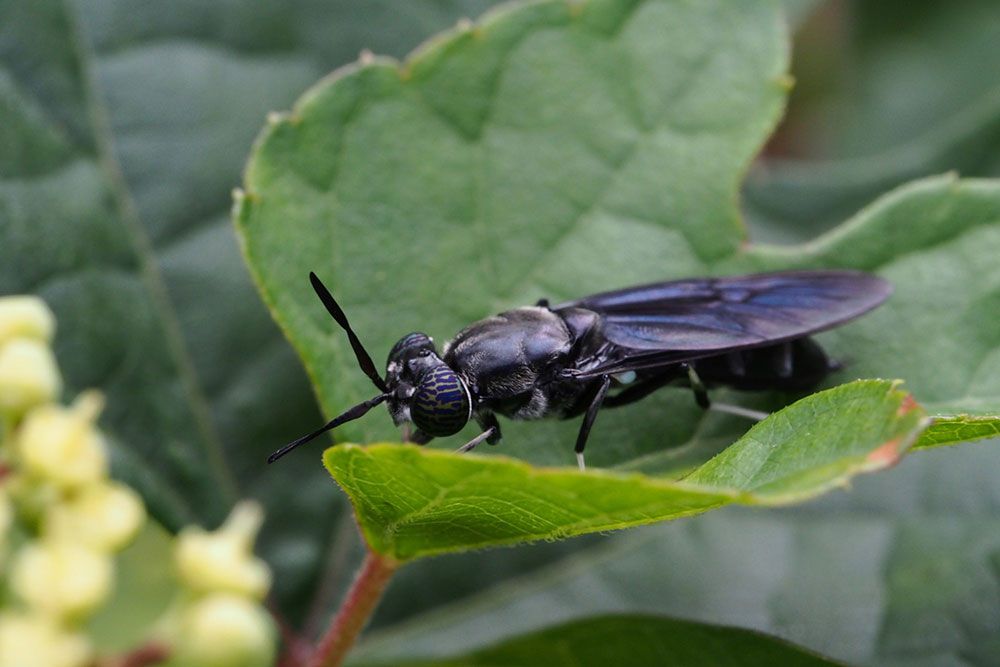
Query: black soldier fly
{"x": 745, "y": 332}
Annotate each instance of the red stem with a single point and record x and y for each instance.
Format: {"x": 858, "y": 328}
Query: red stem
{"x": 357, "y": 608}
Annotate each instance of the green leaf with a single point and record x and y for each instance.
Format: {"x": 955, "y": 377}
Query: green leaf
{"x": 635, "y": 640}
{"x": 958, "y": 429}
{"x": 412, "y": 503}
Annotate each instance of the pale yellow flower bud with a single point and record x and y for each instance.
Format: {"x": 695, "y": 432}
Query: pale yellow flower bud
{"x": 62, "y": 446}
{"x": 38, "y": 641}
{"x": 28, "y": 375}
{"x": 25, "y": 317}
{"x": 104, "y": 516}
{"x": 224, "y": 630}
{"x": 62, "y": 579}
{"x": 223, "y": 561}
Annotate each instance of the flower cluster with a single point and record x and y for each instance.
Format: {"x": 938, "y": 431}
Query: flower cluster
{"x": 220, "y": 622}
{"x": 63, "y": 520}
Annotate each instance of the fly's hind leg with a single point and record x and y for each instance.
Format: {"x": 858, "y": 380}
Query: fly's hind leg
{"x": 704, "y": 402}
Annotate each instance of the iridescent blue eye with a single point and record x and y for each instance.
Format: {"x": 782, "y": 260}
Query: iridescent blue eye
{"x": 440, "y": 404}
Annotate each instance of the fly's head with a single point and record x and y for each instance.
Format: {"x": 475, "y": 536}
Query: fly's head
{"x": 418, "y": 387}
{"x": 425, "y": 390}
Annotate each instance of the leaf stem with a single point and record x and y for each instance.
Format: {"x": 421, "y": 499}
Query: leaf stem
{"x": 354, "y": 612}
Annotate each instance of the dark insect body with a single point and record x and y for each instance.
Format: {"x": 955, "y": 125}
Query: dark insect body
{"x": 746, "y": 332}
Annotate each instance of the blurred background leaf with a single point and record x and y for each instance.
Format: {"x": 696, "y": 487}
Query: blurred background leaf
{"x": 125, "y": 123}
{"x": 645, "y": 640}
{"x": 886, "y": 92}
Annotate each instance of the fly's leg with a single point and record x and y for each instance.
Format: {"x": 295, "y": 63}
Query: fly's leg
{"x": 703, "y": 401}
{"x": 488, "y": 422}
{"x": 698, "y": 387}
{"x": 740, "y": 411}
{"x": 588, "y": 419}
{"x": 785, "y": 361}
{"x": 491, "y": 432}
{"x": 471, "y": 444}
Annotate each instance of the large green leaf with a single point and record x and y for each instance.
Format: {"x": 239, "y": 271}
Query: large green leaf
{"x": 635, "y": 640}
{"x": 411, "y": 503}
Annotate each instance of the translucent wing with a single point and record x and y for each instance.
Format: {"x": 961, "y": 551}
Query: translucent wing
{"x": 664, "y": 323}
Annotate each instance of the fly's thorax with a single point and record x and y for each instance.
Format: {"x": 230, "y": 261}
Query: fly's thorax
{"x": 424, "y": 389}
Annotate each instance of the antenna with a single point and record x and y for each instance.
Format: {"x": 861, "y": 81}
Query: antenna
{"x": 350, "y": 415}
{"x": 364, "y": 359}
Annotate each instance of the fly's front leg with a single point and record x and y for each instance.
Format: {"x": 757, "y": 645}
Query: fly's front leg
{"x": 488, "y": 422}
{"x": 471, "y": 444}
{"x": 588, "y": 419}
{"x": 491, "y": 432}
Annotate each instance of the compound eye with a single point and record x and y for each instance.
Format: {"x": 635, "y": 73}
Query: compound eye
{"x": 440, "y": 404}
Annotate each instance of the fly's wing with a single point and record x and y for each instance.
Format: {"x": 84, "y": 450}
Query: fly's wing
{"x": 664, "y": 323}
